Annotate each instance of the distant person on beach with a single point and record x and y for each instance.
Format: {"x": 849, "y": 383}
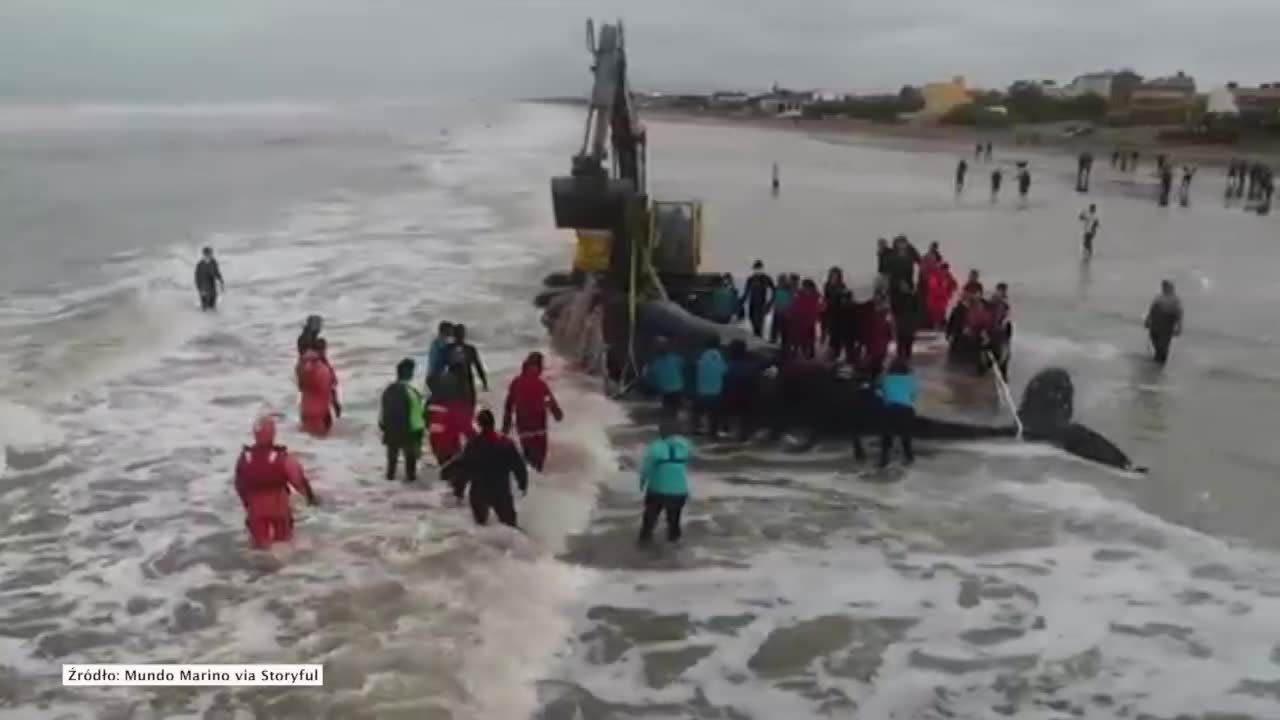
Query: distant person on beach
{"x": 1164, "y": 321}
{"x": 208, "y": 280}
{"x": 777, "y": 179}
{"x": 961, "y": 168}
{"x": 977, "y": 152}
{"x": 1184, "y": 190}
{"x": 997, "y": 178}
{"x": 757, "y": 297}
{"x": 1133, "y": 161}
{"x": 1084, "y": 168}
{"x": 664, "y": 481}
{"x": 1024, "y": 181}
{"x": 1089, "y": 223}
{"x": 1166, "y": 184}
{"x": 988, "y": 151}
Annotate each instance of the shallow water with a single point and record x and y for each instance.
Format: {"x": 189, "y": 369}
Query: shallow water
{"x": 992, "y": 579}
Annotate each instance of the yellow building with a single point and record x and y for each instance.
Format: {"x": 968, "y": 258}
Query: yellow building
{"x": 941, "y": 98}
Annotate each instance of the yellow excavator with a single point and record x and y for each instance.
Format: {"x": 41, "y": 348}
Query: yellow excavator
{"x": 634, "y": 243}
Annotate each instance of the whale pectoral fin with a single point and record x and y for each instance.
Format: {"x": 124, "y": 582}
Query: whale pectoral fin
{"x": 1091, "y": 445}
{"x": 930, "y": 429}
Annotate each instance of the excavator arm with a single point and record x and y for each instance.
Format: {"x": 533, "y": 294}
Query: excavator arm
{"x": 592, "y": 196}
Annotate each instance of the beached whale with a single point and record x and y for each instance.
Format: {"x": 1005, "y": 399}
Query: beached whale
{"x": 822, "y": 398}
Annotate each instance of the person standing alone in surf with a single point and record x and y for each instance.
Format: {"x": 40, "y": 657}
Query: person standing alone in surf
{"x": 208, "y": 280}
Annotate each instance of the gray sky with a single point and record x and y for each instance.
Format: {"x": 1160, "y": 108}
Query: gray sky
{"x": 406, "y": 49}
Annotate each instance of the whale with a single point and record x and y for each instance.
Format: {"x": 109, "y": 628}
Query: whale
{"x": 826, "y": 399}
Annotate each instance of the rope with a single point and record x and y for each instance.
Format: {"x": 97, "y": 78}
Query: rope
{"x": 1005, "y": 393}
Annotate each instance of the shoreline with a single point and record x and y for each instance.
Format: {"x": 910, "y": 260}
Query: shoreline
{"x": 949, "y": 138}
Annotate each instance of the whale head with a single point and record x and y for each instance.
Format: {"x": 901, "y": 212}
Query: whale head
{"x": 1047, "y": 403}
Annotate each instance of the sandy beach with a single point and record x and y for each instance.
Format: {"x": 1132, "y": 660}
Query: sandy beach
{"x": 908, "y": 136}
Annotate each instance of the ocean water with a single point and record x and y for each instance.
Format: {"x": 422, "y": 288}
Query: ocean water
{"x": 992, "y": 579}
{"x": 124, "y": 406}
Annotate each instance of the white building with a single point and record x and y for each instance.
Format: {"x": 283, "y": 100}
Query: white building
{"x": 1222, "y": 101}
{"x": 1090, "y": 84}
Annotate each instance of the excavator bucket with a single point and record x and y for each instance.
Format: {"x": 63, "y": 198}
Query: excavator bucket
{"x": 590, "y": 203}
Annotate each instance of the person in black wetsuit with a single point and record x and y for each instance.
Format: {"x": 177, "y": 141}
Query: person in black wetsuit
{"x": 1001, "y": 328}
{"x": 757, "y": 297}
{"x": 882, "y": 256}
{"x": 208, "y": 280}
{"x": 961, "y": 169}
{"x": 472, "y": 366}
{"x": 1166, "y": 184}
{"x": 997, "y": 179}
{"x": 1024, "y": 181}
{"x": 309, "y": 338}
{"x": 488, "y": 464}
{"x": 835, "y": 298}
{"x": 1164, "y": 321}
{"x": 901, "y": 269}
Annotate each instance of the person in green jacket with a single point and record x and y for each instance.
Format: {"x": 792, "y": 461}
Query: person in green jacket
{"x": 401, "y": 421}
{"x": 664, "y": 481}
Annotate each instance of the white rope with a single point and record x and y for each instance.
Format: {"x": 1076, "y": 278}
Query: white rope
{"x": 1005, "y": 393}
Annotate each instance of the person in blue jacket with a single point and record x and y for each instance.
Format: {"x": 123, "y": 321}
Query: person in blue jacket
{"x": 708, "y": 388}
{"x": 898, "y": 391}
{"x": 438, "y": 353}
{"x": 664, "y": 481}
{"x": 665, "y": 375}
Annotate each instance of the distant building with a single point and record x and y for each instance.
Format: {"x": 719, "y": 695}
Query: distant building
{"x": 1098, "y": 83}
{"x": 1222, "y": 101}
{"x": 1260, "y": 103}
{"x": 729, "y": 99}
{"x": 780, "y": 102}
{"x": 942, "y": 98}
{"x": 1163, "y": 100}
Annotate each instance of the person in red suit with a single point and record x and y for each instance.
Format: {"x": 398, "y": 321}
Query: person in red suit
{"x": 803, "y": 315}
{"x": 529, "y": 400}
{"x": 266, "y": 474}
{"x": 318, "y": 384}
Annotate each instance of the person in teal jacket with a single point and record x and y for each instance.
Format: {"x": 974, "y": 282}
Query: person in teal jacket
{"x": 708, "y": 387}
{"x": 898, "y": 391}
{"x": 724, "y": 301}
{"x": 665, "y": 375}
{"x": 664, "y": 480}
{"x": 783, "y": 293}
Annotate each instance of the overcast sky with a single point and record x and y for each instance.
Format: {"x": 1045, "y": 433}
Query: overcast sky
{"x": 407, "y": 49}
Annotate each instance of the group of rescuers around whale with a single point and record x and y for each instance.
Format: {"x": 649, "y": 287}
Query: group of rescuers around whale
{"x": 719, "y": 387}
